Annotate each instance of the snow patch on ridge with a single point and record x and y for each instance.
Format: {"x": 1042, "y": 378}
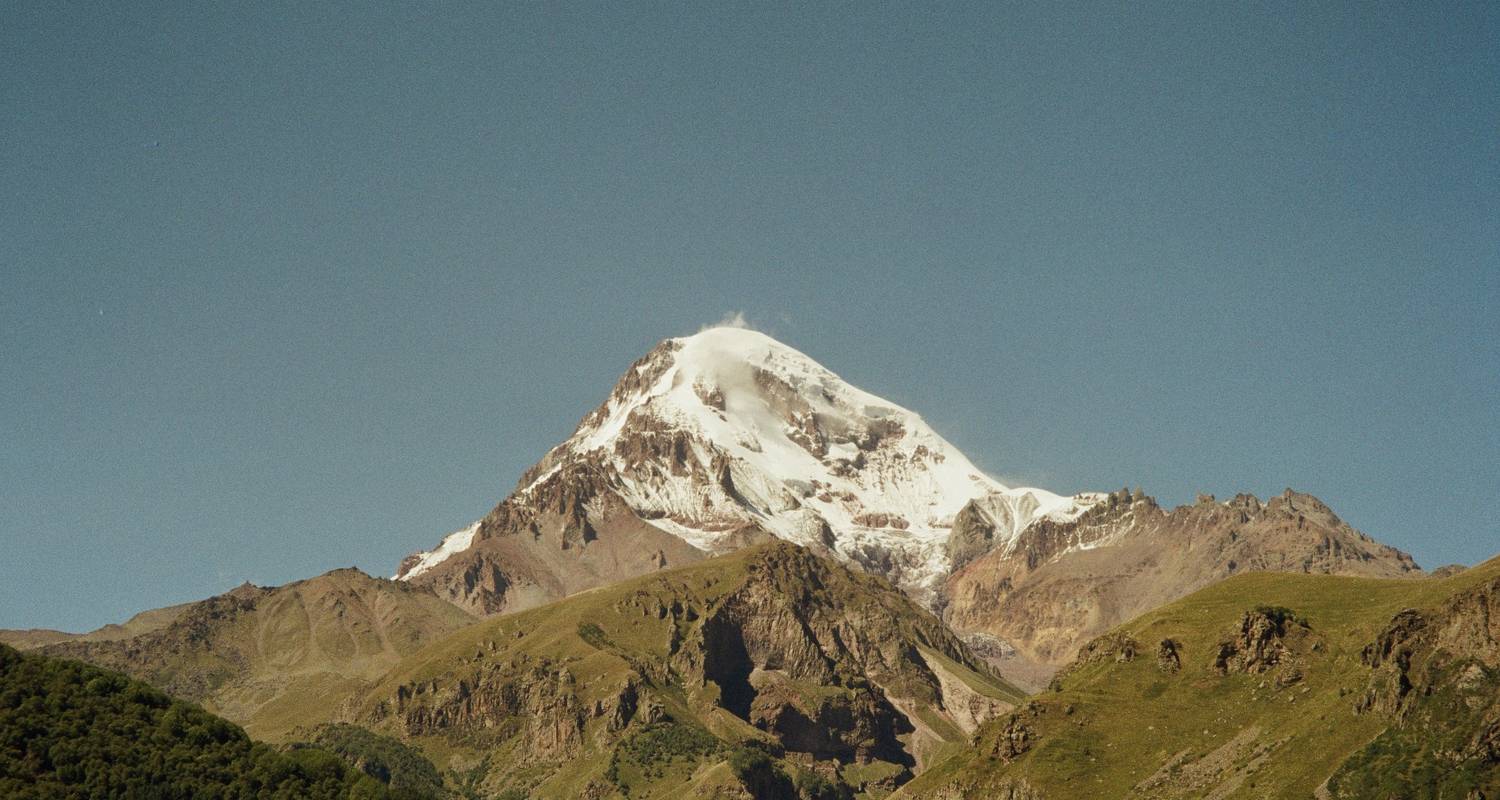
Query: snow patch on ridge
{"x": 453, "y": 543}
{"x": 1014, "y": 510}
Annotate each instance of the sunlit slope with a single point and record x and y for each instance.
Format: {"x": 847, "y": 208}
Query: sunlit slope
{"x": 272, "y": 659}
{"x": 1264, "y": 685}
{"x": 733, "y": 676}
{"x": 142, "y": 623}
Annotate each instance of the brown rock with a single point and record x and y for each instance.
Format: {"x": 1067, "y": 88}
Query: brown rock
{"x": 1167, "y": 657}
{"x": 1062, "y": 584}
{"x": 1260, "y": 644}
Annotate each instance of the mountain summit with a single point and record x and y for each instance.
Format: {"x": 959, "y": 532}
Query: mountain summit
{"x": 728, "y": 438}
{"x": 717, "y": 440}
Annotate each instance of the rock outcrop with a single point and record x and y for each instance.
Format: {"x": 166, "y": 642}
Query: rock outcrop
{"x": 1110, "y": 647}
{"x": 1016, "y": 735}
{"x": 1269, "y": 638}
{"x": 537, "y": 699}
{"x": 1168, "y": 656}
{"x": 1435, "y": 674}
{"x": 1420, "y": 649}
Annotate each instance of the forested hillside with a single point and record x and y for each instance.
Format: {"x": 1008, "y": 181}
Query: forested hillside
{"x": 72, "y": 731}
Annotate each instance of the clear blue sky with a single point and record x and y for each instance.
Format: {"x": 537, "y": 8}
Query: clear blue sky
{"x": 288, "y": 287}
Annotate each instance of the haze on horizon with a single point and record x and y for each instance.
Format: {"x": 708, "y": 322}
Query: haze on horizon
{"x": 289, "y": 287}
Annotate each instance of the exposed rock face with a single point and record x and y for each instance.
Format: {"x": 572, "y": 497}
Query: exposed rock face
{"x": 1016, "y": 735}
{"x": 833, "y": 666}
{"x": 860, "y": 726}
{"x": 1457, "y": 642}
{"x": 252, "y": 652}
{"x": 1168, "y": 656}
{"x": 537, "y": 699}
{"x": 972, "y": 536}
{"x": 1390, "y": 656}
{"x": 967, "y": 708}
{"x": 1436, "y": 675}
{"x": 1267, "y": 639}
{"x": 1061, "y": 583}
{"x": 784, "y": 631}
{"x": 1110, "y": 647}
{"x": 567, "y": 534}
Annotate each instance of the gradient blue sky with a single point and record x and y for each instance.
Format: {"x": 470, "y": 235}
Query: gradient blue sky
{"x": 288, "y": 287}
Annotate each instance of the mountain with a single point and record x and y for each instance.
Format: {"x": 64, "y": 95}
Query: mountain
{"x": 1264, "y": 686}
{"x": 741, "y": 577}
{"x": 69, "y": 730}
{"x": 144, "y": 622}
{"x": 271, "y": 658}
{"x": 1044, "y": 593}
{"x": 722, "y": 440}
{"x": 726, "y": 438}
{"x": 754, "y": 674}
{"x": 712, "y": 442}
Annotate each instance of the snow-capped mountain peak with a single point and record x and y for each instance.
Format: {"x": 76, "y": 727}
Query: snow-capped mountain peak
{"x": 727, "y": 429}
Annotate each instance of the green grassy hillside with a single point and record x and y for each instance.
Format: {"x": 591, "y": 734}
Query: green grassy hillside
{"x": 766, "y": 673}
{"x": 1264, "y": 685}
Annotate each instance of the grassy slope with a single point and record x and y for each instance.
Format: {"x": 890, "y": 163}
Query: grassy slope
{"x": 603, "y": 636}
{"x": 325, "y": 638}
{"x": 553, "y": 632}
{"x": 1111, "y": 724}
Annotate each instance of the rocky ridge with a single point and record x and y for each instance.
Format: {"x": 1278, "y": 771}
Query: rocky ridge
{"x": 1058, "y": 584}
